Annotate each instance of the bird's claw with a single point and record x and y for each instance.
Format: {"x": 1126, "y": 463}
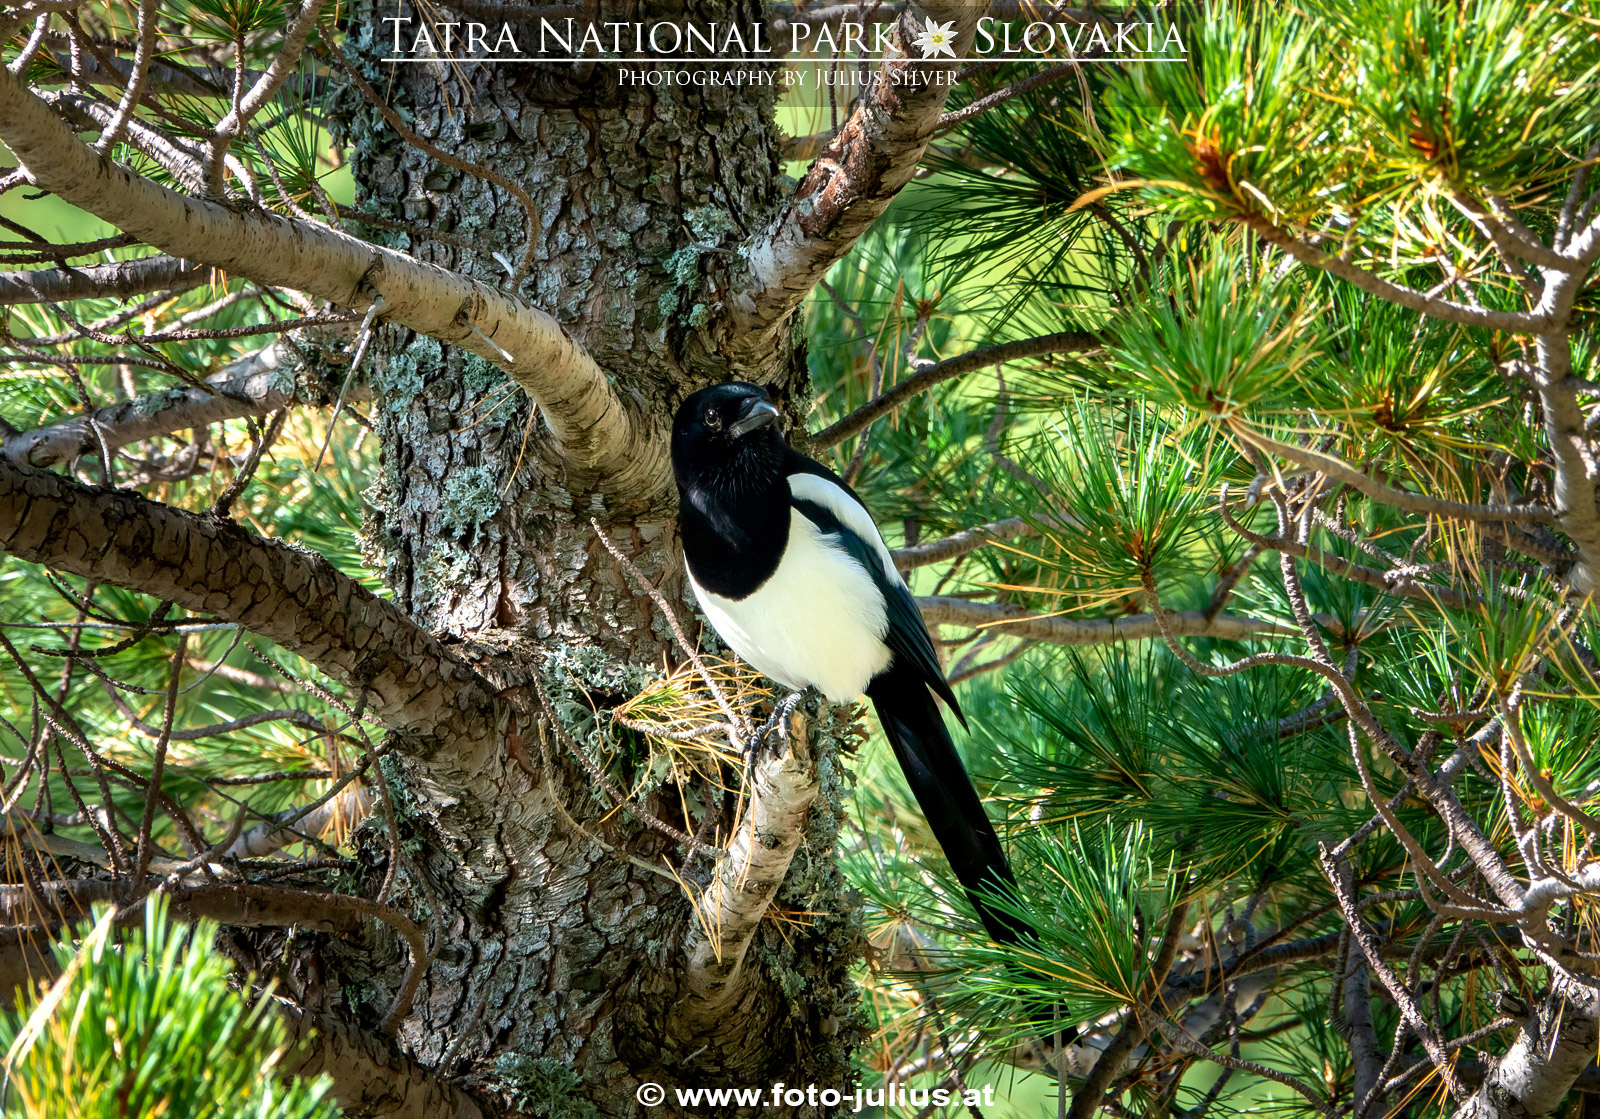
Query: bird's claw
{"x": 780, "y": 715}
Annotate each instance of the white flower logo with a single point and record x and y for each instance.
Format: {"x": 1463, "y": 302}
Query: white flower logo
{"x": 936, "y": 39}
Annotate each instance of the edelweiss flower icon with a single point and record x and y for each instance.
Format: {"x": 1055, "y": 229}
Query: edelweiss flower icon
{"x": 936, "y": 39}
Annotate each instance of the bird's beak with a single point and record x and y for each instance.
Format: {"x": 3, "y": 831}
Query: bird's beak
{"x": 757, "y": 414}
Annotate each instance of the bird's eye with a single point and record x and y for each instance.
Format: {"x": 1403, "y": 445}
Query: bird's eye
{"x": 712, "y": 419}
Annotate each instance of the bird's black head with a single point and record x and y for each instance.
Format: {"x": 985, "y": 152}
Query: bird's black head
{"x": 727, "y": 435}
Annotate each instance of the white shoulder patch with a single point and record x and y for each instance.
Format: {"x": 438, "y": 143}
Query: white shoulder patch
{"x": 851, "y": 513}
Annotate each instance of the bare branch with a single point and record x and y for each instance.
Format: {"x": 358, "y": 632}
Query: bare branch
{"x": 1403, "y": 500}
{"x": 261, "y": 90}
{"x": 1180, "y": 1038}
{"x": 152, "y": 795}
{"x": 115, "y": 71}
{"x": 596, "y": 434}
{"x": 178, "y": 158}
{"x": 116, "y": 281}
{"x": 1566, "y": 223}
{"x": 1385, "y": 581}
{"x": 959, "y": 543}
{"x": 968, "y": 667}
{"x": 1014, "y": 621}
{"x": 1071, "y": 341}
{"x": 1408, "y": 298}
{"x": 141, "y": 70}
{"x": 1000, "y": 96}
{"x": 286, "y": 594}
{"x": 252, "y": 386}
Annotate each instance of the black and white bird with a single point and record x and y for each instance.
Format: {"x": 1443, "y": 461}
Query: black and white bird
{"x": 791, "y": 571}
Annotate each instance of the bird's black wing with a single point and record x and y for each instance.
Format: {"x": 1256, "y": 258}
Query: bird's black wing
{"x": 908, "y": 636}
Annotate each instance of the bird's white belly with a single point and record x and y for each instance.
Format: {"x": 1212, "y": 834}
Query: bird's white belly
{"x": 818, "y": 621}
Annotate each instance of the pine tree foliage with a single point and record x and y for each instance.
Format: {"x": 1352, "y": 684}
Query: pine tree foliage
{"x": 1279, "y": 650}
{"x": 1354, "y": 308}
{"x": 144, "y": 1022}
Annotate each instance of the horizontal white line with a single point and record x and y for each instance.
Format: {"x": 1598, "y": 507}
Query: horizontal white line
{"x": 747, "y": 61}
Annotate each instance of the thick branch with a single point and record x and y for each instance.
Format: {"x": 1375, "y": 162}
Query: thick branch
{"x": 593, "y": 430}
{"x": 874, "y": 155}
{"x": 1070, "y": 341}
{"x": 782, "y": 785}
{"x": 1570, "y": 449}
{"x": 1540, "y": 1067}
{"x": 369, "y": 1076}
{"x": 284, "y": 593}
{"x": 1014, "y": 621}
{"x": 114, "y": 281}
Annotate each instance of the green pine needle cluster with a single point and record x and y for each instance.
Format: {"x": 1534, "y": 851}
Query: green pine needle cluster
{"x": 147, "y": 1023}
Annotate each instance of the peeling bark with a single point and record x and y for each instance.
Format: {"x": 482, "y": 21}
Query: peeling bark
{"x": 781, "y": 787}
{"x": 847, "y": 188}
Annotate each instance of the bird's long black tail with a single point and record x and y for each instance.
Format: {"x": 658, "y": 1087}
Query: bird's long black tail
{"x": 933, "y": 769}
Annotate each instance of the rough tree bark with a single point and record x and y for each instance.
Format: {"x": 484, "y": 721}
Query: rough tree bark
{"x": 561, "y": 971}
{"x": 562, "y": 956}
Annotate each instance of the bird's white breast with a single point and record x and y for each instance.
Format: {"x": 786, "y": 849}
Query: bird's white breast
{"x": 818, "y": 621}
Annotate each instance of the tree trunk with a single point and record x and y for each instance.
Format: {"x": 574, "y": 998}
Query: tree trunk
{"x": 561, "y": 938}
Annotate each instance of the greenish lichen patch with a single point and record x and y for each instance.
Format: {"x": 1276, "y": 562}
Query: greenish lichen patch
{"x": 575, "y": 676}
{"x": 478, "y": 377}
{"x": 397, "y": 382}
{"x": 469, "y": 496}
{"x": 708, "y": 227}
{"x": 545, "y": 1086}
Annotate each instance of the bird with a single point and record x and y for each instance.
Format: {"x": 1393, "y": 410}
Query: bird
{"x": 792, "y": 573}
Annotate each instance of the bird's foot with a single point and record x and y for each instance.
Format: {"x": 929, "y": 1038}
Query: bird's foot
{"x": 780, "y": 715}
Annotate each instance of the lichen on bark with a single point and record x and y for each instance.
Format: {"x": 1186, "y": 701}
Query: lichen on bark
{"x": 557, "y": 996}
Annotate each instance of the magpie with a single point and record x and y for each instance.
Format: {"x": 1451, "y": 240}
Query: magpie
{"x": 792, "y": 573}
